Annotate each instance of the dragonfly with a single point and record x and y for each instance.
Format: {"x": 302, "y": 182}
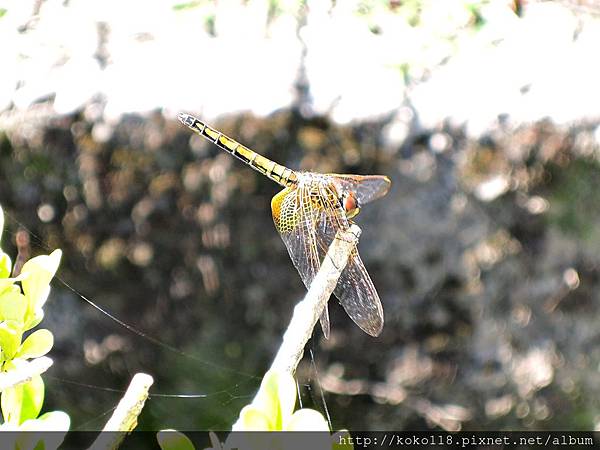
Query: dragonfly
{"x": 308, "y": 212}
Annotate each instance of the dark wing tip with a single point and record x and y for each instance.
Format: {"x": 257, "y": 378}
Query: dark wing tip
{"x": 375, "y": 330}
{"x": 366, "y": 187}
{"x": 388, "y": 185}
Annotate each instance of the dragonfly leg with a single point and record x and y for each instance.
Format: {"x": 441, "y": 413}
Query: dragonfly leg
{"x": 324, "y": 319}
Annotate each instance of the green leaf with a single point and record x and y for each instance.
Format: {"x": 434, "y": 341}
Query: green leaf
{"x": 13, "y": 306}
{"x": 307, "y": 419}
{"x": 23, "y": 402}
{"x": 342, "y": 440}
{"x": 10, "y": 402}
{"x": 37, "y": 274}
{"x": 272, "y": 406}
{"x": 1, "y": 222}
{"x": 253, "y": 419}
{"x": 10, "y": 338}
{"x": 277, "y": 397}
{"x": 28, "y": 441}
{"x": 33, "y": 319}
{"x": 50, "y": 421}
{"x": 173, "y": 440}
{"x": 33, "y": 398}
{"x": 37, "y": 344}
{"x": 54, "y": 421}
{"x": 5, "y": 265}
{"x": 8, "y": 284}
{"x": 267, "y": 400}
{"x": 57, "y": 422}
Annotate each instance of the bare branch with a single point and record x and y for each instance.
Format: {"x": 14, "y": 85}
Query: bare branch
{"x": 308, "y": 311}
{"x": 124, "y": 419}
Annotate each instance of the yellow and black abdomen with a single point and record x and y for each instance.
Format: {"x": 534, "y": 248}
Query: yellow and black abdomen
{"x": 276, "y": 172}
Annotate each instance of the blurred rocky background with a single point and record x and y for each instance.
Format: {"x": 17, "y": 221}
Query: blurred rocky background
{"x": 486, "y": 252}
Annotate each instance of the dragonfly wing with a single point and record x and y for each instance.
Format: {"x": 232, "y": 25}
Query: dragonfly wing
{"x": 354, "y": 290}
{"x": 366, "y": 188}
{"x": 308, "y": 218}
{"x": 358, "y": 296}
{"x": 297, "y": 222}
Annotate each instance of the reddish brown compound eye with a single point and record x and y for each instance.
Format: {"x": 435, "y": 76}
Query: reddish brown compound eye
{"x": 350, "y": 202}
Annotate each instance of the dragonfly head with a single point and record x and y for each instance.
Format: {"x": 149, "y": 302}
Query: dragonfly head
{"x": 350, "y": 204}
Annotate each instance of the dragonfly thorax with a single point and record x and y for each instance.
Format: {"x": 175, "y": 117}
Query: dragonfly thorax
{"x": 323, "y": 186}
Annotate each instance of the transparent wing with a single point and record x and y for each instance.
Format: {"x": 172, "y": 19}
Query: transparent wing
{"x": 297, "y": 217}
{"x": 355, "y": 289}
{"x": 358, "y": 296}
{"x": 308, "y": 218}
{"x": 366, "y": 188}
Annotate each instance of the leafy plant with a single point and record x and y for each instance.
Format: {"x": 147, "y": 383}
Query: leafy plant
{"x": 271, "y": 410}
{"x": 21, "y": 309}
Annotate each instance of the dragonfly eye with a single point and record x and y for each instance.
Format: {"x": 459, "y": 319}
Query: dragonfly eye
{"x": 351, "y": 205}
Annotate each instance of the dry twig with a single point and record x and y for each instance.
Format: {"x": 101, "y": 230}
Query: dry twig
{"x": 308, "y": 311}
